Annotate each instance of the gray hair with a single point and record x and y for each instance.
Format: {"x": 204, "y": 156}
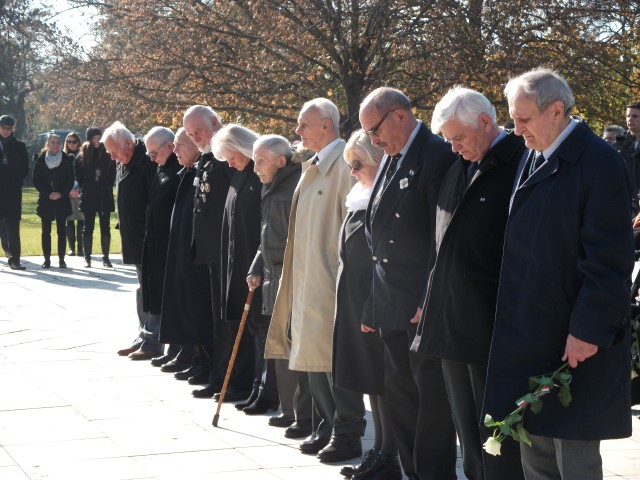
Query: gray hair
{"x": 180, "y": 131}
{"x": 384, "y": 99}
{"x": 231, "y": 138}
{"x": 542, "y": 85}
{"x": 360, "y": 146}
{"x": 203, "y": 111}
{"x": 276, "y": 144}
{"x": 161, "y": 134}
{"x": 118, "y": 133}
{"x": 617, "y": 129}
{"x": 464, "y": 104}
{"x": 326, "y": 108}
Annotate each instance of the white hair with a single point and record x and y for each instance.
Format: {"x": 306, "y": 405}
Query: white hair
{"x": 326, "y": 108}
{"x": 203, "y": 111}
{"x": 233, "y": 138}
{"x": 161, "y": 134}
{"x": 276, "y": 144}
{"x": 465, "y": 105}
{"x": 118, "y": 133}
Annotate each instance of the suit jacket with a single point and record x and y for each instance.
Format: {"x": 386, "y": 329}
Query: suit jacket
{"x": 14, "y": 166}
{"x": 568, "y": 258}
{"x": 458, "y": 316}
{"x": 302, "y": 323}
{"x": 401, "y": 233}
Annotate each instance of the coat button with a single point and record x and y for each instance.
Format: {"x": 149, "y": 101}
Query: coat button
{"x": 374, "y": 258}
{"x": 623, "y": 321}
{"x": 392, "y": 241}
{"x": 397, "y": 215}
{"x": 319, "y": 192}
{"x": 385, "y": 260}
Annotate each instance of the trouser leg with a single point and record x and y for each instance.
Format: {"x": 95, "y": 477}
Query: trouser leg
{"x": 323, "y": 401}
{"x": 71, "y": 235}
{"x": 62, "y": 237}
{"x": 46, "y": 239}
{"x": 558, "y": 459}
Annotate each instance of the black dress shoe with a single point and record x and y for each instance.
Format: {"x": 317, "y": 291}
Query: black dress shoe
{"x": 368, "y": 459}
{"x": 87, "y": 263}
{"x": 300, "y": 429}
{"x": 159, "y": 361}
{"x": 247, "y": 401}
{"x": 282, "y": 420}
{"x": 62, "y": 264}
{"x": 342, "y": 447}
{"x": 261, "y": 406}
{"x": 189, "y": 372}
{"x": 46, "y": 264}
{"x": 174, "y": 366}
{"x": 200, "y": 378}
{"x": 207, "y": 392}
{"x": 313, "y": 444}
{"x": 385, "y": 467}
{"x": 106, "y": 262}
{"x": 232, "y": 395}
{"x": 16, "y": 266}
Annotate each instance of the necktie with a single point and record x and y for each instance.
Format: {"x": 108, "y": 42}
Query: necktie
{"x": 393, "y": 165}
{"x": 471, "y": 171}
{"x": 537, "y": 161}
{"x": 315, "y": 160}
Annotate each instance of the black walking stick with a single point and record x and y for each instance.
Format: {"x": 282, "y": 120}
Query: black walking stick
{"x": 232, "y": 360}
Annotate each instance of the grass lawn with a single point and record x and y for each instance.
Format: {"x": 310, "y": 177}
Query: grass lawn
{"x": 30, "y": 229}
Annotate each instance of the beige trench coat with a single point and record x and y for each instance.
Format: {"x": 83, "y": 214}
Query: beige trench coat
{"x": 305, "y": 303}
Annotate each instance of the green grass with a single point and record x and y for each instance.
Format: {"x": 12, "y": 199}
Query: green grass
{"x": 30, "y": 229}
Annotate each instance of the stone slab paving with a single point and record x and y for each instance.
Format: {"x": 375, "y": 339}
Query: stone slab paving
{"x": 70, "y": 408}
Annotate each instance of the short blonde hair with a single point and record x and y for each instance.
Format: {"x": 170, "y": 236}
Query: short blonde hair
{"x": 359, "y": 146}
{"x": 233, "y": 138}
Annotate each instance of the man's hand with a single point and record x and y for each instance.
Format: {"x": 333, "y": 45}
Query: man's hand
{"x": 416, "y": 317}
{"x": 254, "y": 281}
{"x": 366, "y": 329}
{"x": 577, "y": 351}
{"x": 54, "y": 196}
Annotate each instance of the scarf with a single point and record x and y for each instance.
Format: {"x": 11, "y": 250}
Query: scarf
{"x": 358, "y": 198}
{"x": 53, "y": 161}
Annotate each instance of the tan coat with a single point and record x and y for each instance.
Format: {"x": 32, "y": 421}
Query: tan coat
{"x": 302, "y": 323}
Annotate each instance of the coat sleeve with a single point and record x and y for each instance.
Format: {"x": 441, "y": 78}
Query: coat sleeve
{"x": 257, "y": 266}
{"x": 23, "y": 162}
{"x": 39, "y": 181}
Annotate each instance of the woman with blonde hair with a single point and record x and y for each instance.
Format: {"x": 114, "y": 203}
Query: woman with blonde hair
{"x": 72, "y": 148}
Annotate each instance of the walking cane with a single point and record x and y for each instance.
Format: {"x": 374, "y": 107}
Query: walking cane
{"x": 233, "y": 357}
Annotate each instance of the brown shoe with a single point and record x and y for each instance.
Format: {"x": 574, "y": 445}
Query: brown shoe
{"x": 143, "y": 355}
{"x": 126, "y": 351}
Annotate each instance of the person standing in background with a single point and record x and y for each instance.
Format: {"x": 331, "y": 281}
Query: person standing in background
{"x": 72, "y": 148}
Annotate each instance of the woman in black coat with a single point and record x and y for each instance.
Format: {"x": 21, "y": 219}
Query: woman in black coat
{"x": 96, "y": 175}
{"x": 53, "y": 178}
{"x": 72, "y": 148}
{"x": 358, "y": 352}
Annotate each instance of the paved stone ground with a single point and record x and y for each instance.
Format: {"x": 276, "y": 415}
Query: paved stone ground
{"x": 70, "y": 408}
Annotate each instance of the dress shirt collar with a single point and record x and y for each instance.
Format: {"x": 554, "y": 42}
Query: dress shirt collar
{"x": 547, "y": 152}
{"x": 324, "y": 153}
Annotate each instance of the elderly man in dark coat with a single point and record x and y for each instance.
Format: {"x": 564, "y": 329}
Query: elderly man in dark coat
{"x": 186, "y": 299}
{"x": 400, "y": 227}
{"x": 457, "y": 319}
{"x": 564, "y": 284}
{"x": 14, "y": 166}
{"x": 133, "y": 183}
{"x": 162, "y": 195}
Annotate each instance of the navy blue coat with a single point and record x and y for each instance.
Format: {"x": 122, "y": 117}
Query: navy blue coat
{"x": 401, "y": 233}
{"x": 568, "y": 258}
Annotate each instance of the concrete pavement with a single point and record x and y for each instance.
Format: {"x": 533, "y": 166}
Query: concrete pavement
{"x": 70, "y": 408}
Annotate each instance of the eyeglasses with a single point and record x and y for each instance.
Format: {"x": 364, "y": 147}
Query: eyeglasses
{"x": 7, "y": 127}
{"x": 374, "y": 130}
{"x": 155, "y": 154}
{"x": 72, "y": 141}
{"x": 356, "y": 166}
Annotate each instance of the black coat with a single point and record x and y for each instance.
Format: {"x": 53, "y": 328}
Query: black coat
{"x": 401, "y": 234}
{"x": 186, "y": 299}
{"x": 458, "y": 317}
{"x": 96, "y": 175}
{"x": 358, "y": 358}
{"x": 212, "y": 178}
{"x": 240, "y": 241}
{"x": 156, "y": 241}
{"x": 133, "y": 183}
{"x": 48, "y": 180}
{"x": 566, "y": 268}
{"x": 276, "y": 207}
{"x": 14, "y": 166}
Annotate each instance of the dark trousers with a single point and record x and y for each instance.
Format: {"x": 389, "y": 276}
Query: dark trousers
{"x": 419, "y": 410}
{"x": 558, "y": 459}
{"x": 87, "y": 232}
{"x": 46, "y": 237}
{"x": 341, "y": 411}
{"x": 465, "y": 388}
{"x": 11, "y": 243}
{"x": 293, "y": 391}
{"x": 264, "y": 383}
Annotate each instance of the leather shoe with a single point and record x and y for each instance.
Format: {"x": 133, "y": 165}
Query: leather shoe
{"x": 142, "y": 355}
{"x": 207, "y": 392}
{"x": 300, "y": 429}
{"x": 313, "y": 444}
{"x": 232, "y": 395}
{"x": 342, "y": 447}
{"x": 106, "y": 262}
{"x": 368, "y": 459}
{"x": 282, "y": 420}
{"x": 174, "y": 366}
{"x": 46, "y": 264}
{"x": 16, "y": 266}
{"x": 126, "y": 351}
{"x": 159, "y": 361}
{"x": 384, "y": 467}
{"x": 189, "y": 372}
{"x": 261, "y": 406}
{"x": 247, "y": 401}
{"x": 200, "y": 378}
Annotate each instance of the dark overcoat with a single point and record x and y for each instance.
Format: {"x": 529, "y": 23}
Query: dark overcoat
{"x": 96, "y": 175}
{"x": 458, "y": 317}
{"x": 186, "y": 300}
{"x": 274, "y": 225}
{"x": 568, "y": 257}
{"x": 162, "y": 196}
{"x": 401, "y": 232}
{"x": 240, "y": 241}
{"x": 133, "y": 183}
{"x": 48, "y": 180}
{"x": 14, "y": 166}
{"x": 358, "y": 358}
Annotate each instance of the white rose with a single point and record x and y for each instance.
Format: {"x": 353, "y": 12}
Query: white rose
{"x": 492, "y": 446}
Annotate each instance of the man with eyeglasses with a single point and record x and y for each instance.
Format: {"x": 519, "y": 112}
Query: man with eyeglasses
{"x": 400, "y": 225}
{"x": 14, "y": 166}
